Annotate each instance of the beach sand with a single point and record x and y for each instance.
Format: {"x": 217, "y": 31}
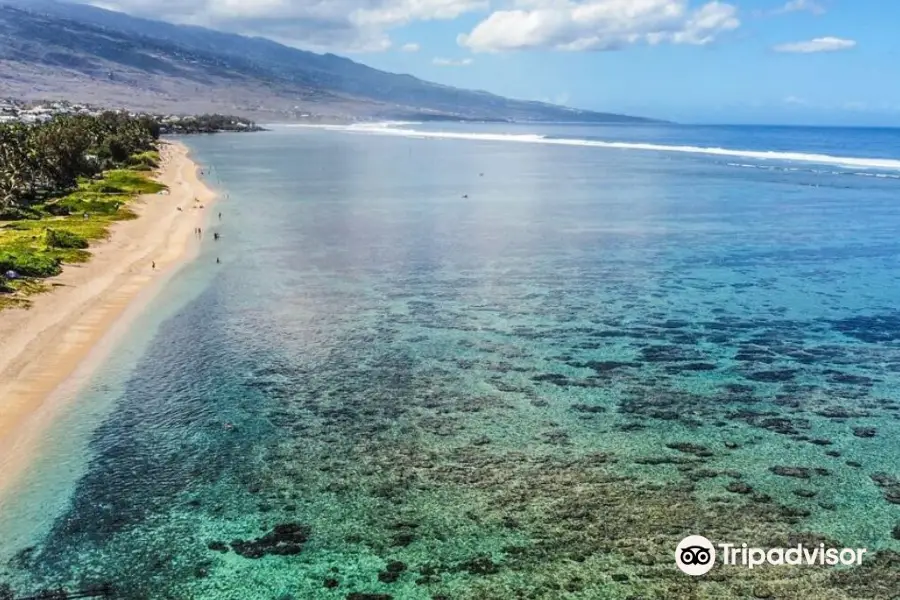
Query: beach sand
{"x": 49, "y": 350}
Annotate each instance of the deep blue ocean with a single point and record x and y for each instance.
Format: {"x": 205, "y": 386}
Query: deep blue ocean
{"x": 491, "y": 362}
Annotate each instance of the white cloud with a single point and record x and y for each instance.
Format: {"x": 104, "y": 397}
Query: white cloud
{"x": 399, "y": 12}
{"x": 411, "y": 47}
{"x": 796, "y": 101}
{"x": 822, "y": 44}
{"x": 449, "y": 62}
{"x": 345, "y": 25}
{"x": 800, "y": 5}
{"x": 599, "y": 24}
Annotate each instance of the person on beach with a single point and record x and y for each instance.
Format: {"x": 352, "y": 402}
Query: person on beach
{"x": 153, "y": 265}
{"x": 216, "y": 236}
{"x": 220, "y": 216}
{"x": 218, "y": 261}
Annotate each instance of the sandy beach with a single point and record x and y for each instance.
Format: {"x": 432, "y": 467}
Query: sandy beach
{"x": 50, "y": 349}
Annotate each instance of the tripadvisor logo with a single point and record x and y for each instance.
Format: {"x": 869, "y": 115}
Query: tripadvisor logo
{"x": 696, "y": 555}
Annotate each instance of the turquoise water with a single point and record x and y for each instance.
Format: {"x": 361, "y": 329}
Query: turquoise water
{"x": 452, "y": 367}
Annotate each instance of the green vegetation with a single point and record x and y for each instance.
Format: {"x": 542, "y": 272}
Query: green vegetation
{"x": 42, "y": 161}
{"x": 144, "y": 161}
{"x": 208, "y": 124}
{"x": 60, "y": 238}
{"x": 62, "y": 184}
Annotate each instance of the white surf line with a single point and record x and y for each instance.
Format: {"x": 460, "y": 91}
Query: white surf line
{"x": 765, "y": 155}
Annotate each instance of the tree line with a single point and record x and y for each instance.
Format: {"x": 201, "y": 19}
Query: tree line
{"x": 43, "y": 160}
{"x": 208, "y": 124}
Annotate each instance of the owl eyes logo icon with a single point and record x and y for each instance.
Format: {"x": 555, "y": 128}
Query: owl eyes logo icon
{"x": 695, "y": 555}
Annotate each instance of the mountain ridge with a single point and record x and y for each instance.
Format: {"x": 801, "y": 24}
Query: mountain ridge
{"x": 51, "y": 49}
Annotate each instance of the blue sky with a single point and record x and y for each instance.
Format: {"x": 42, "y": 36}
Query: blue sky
{"x": 749, "y": 61}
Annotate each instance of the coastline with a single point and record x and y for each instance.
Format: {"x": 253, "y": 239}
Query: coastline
{"x": 52, "y": 348}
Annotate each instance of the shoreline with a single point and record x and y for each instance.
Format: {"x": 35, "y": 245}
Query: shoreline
{"x": 51, "y": 349}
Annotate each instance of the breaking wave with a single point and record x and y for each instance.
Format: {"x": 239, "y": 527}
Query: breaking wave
{"x": 400, "y": 129}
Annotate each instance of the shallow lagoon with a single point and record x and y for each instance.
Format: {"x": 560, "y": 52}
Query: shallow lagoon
{"x": 532, "y": 392}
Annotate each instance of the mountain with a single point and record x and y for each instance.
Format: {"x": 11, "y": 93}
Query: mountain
{"x": 58, "y": 50}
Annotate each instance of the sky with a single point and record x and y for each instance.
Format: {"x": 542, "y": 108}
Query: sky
{"x": 828, "y": 62}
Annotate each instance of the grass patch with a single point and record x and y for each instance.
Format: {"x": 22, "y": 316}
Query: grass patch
{"x": 144, "y": 161}
{"x": 39, "y": 243}
{"x": 127, "y": 181}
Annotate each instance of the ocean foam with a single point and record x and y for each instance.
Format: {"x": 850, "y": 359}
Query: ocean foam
{"x": 392, "y": 128}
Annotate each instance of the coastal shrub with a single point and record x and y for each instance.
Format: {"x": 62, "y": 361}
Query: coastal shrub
{"x": 23, "y": 225}
{"x": 144, "y": 161}
{"x": 108, "y": 189}
{"x": 60, "y": 238}
{"x": 71, "y": 205}
{"x": 60, "y": 209}
{"x": 29, "y": 264}
{"x": 15, "y": 213}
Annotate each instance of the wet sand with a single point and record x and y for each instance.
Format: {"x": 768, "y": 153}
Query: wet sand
{"x": 51, "y": 349}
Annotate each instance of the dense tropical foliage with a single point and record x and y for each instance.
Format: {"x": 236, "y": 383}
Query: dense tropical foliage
{"x": 42, "y": 160}
{"x": 62, "y": 183}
